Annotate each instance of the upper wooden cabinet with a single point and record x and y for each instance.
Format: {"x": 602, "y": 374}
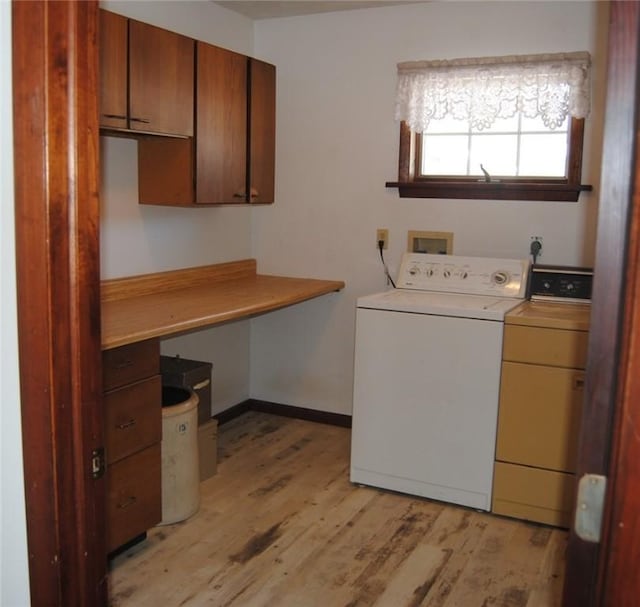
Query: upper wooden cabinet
{"x": 157, "y": 95}
{"x": 221, "y": 130}
{"x": 113, "y": 70}
{"x": 231, "y": 158}
{"x": 262, "y": 135}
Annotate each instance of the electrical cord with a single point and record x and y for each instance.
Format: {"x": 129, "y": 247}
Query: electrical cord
{"x": 384, "y": 264}
{"x": 534, "y": 249}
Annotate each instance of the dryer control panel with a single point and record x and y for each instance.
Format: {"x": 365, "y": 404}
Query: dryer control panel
{"x": 457, "y": 274}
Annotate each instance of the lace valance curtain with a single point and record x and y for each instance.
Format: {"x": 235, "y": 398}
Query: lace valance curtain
{"x": 480, "y": 90}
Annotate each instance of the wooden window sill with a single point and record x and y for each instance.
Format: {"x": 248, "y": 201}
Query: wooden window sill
{"x": 489, "y": 191}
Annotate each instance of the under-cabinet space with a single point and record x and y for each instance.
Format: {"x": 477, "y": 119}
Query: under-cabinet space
{"x": 231, "y": 159}
{"x": 146, "y": 78}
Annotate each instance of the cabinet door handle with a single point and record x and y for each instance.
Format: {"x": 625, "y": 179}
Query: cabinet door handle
{"x": 578, "y": 382}
{"x": 125, "y": 425}
{"x": 144, "y": 120}
{"x": 130, "y": 501}
{"x": 114, "y": 116}
{"x": 239, "y": 195}
{"x": 254, "y": 193}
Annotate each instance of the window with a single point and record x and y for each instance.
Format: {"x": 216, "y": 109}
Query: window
{"x": 494, "y": 128}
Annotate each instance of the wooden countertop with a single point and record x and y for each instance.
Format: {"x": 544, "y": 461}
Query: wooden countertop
{"x": 168, "y": 303}
{"x": 571, "y": 316}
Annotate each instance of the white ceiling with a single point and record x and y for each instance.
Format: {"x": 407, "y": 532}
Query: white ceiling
{"x": 265, "y": 9}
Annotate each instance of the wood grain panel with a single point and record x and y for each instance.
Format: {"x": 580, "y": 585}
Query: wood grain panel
{"x": 133, "y": 418}
{"x": 55, "y": 66}
{"x": 134, "y": 502}
{"x": 262, "y": 131}
{"x": 161, "y": 66}
{"x": 113, "y": 70}
{"x": 127, "y": 364}
{"x": 166, "y": 171}
{"x": 165, "y": 304}
{"x": 148, "y": 284}
{"x": 221, "y": 131}
{"x": 587, "y": 562}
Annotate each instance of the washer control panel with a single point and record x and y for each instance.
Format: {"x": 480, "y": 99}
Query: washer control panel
{"x": 456, "y": 274}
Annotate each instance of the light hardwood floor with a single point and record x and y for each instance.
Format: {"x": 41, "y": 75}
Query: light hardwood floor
{"x": 281, "y": 525}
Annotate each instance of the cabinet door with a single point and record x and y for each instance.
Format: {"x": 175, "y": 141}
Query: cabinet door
{"x": 160, "y": 80}
{"x": 113, "y": 70}
{"x": 262, "y": 131}
{"x": 539, "y": 418}
{"x": 221, "y": 130}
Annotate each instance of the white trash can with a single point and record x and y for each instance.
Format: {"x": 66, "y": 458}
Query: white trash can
{"x": 180, "y": 468}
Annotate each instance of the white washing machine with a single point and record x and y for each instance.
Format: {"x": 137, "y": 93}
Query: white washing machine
{"x": 427, "y": 377}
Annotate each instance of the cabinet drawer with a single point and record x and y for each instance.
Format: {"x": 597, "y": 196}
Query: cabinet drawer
{"x": 134, "y": 502}
{"x": 533, "y": 494}
{"x": 539, "y": 416}
{"x": 133, "y": 418}
{"x": 130, "y": 363}
{"x": 537, "y": 345}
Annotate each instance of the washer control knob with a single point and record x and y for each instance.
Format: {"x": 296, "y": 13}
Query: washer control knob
{"x": 447, "y": 273}
{"x": 413, "y": 270}
{"x": 500, "y": 277}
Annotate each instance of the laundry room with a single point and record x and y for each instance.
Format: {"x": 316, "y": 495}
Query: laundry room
{"x": 295, "y": 280}
{"x": 337, "y": 149}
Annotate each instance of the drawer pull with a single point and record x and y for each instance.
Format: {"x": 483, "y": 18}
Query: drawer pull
{"x": 202, "y": 384}
{"x": 130, "y": 501}
{"x": 114, "y": 116}
{"x": 123, "y": 364}
{"x": 143, "y": 120}
{"x": 578, "y": 383}
{"x": 125, "y": 425}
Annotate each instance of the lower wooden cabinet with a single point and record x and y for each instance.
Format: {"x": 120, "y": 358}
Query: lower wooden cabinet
{"x": 134, "y": 502}
{"x": 133, "y": 420}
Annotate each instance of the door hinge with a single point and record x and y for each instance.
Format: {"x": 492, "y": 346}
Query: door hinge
{"x": 589, "y": 507}
{"x": 97, "y": 462}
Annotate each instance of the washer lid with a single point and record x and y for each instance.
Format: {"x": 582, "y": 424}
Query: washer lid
{"x": 481, "y": 307}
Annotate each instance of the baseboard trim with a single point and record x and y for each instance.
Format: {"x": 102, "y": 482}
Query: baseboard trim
{"x": 312, "y": 415}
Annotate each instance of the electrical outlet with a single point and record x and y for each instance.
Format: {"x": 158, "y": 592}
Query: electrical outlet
{"x": 382, "y": 234}
{"x": 535, "y": 246}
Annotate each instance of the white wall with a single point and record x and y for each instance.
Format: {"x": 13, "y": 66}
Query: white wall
{"x": 137, "y": 239}
{"x": 14, "y": 572}
{"x": 337, "y": 144}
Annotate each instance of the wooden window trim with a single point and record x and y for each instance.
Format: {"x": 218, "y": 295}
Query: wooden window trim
{"x": 410, "y": 185}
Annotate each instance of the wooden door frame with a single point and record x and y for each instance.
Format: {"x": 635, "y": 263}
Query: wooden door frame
{"x": 613, "y": 331}
{"x": 55, "y": 67}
